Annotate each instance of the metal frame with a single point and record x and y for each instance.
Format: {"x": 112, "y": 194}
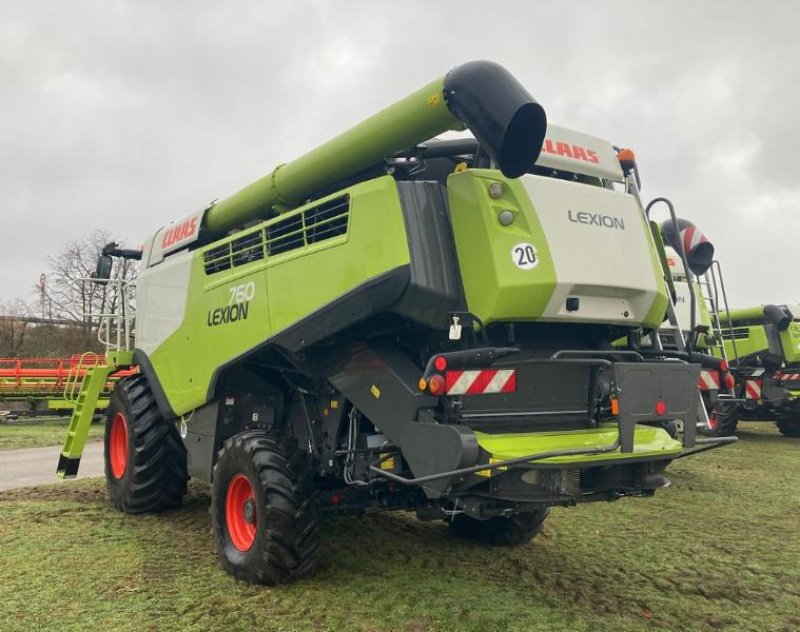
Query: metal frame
{"x": 114, "y": 327}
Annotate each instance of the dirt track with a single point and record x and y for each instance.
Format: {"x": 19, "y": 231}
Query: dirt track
{"x": 37, "y": 466}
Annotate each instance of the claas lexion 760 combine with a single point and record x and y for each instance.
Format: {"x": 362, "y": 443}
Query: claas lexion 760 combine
{"x": 396, "y": 322}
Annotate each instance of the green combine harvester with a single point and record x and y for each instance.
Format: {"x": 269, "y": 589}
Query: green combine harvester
{"x": 764, "y": 346}
{"x": 758, "y": 351}
{"x": 398, "y": 322}
{"x": 696, "y": 297}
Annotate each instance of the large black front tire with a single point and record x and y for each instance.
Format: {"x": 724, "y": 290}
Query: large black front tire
{"x": 145, "y": 459}
{"x": 263, "y": 510}
{"x": 500, "y": 530}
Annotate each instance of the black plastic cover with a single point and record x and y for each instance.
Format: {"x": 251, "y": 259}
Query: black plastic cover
{"x": 777, "y": 316}
{"x": 507, "y": 121}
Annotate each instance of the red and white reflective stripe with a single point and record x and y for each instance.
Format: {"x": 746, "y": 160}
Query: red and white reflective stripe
{"x": 709, "y": 381}
{"x": 480, "y": 382}
{"x": 691, "y": 238}
{"x": 787, "y": 377}
{"x": 752, "y": 389}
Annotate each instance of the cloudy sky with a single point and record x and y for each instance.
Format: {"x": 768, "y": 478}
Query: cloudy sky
{"x": 126, "y": 114}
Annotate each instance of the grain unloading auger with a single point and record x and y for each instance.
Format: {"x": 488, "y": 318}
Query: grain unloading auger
{"x": 396, "y": 322}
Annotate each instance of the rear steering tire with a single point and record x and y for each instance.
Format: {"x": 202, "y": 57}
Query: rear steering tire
{"x": 145, "y": 459}
{"x": 789, "y": 427}
{"x": 722, "y": 421}
{"x": 500, "y": 530}
{"x": 263, "y": 510}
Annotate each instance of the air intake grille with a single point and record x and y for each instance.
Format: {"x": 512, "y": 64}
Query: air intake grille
{"x": 738, "y": 334}
{"x": 311, "y": 226}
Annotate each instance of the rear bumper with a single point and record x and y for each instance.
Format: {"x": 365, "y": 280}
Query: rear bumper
{"x": 650, "y": 395}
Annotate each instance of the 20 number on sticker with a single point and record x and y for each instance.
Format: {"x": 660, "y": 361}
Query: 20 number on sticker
{"x": 524, "y": 256}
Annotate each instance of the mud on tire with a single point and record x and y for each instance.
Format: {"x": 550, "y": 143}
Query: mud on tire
{"x": 145, "y": 459}
{"x": 500, "y": 530}
{"x": 263, "y": 509}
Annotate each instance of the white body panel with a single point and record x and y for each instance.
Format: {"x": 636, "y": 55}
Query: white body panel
{"x": 613, "y": 276}
{"x": 683, "y": 306}
{"x": 174, "y": 237}
{"x": 568, "y": 150}
{"x": 161, "y": 299}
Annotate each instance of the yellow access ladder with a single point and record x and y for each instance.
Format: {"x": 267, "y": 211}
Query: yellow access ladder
{"x": 91, "y": 386}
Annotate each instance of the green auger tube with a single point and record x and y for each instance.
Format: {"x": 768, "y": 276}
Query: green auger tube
{"x": 480, "y": 96}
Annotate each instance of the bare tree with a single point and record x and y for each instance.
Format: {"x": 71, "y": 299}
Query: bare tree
{"x": 80, "y": 301}
{"x": 14, "y": 322}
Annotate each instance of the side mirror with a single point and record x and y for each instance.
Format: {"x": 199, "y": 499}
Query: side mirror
{"x": 103, "y": 269}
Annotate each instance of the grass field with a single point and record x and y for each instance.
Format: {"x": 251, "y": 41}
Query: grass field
{"x": 719, "y": 550}
{"x": 39, "y": 432}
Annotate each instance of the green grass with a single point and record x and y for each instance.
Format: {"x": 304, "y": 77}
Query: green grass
{"x": 720, "y": 549}
{"x": 41, "y": 431}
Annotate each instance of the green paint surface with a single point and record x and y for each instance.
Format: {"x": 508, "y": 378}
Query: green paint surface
{"x": 790, "y": 340}
{"x": 287, "y": 287}
{"x": 414, "y": 119}
{"x": 495, "y": 288}
{"x": 648, "y": 441}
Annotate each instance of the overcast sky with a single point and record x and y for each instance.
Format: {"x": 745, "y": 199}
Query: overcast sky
{"x": 126, "y": 114}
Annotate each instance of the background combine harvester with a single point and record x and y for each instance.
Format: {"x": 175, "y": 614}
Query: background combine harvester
{"x": 758, "y": 349}
{"x": 764, "y": 344}
{"x": 696, "y": 291}
{"x": 394, "y": 322}
{"x": 694, "y": 329}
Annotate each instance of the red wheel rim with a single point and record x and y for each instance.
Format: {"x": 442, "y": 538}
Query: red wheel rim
{"x": 240, "y": 495}
{"x": 118, "y": 446}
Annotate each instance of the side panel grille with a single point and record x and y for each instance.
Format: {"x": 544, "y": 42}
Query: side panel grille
{"x": 738, "y": 334}
{"x": 298, "y": 230}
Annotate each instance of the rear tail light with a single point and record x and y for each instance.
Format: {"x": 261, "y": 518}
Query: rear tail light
{"x": 436, "y": 385}
{"x": 730, "y": 381}
{"x": 661, "y": 408}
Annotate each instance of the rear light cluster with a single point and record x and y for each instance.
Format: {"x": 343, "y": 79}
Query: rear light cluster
{"x": 435, "y": 384}
{"x": 660, "y": 407}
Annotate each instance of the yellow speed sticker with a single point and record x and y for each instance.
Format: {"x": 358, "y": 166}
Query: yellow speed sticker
{"x": 388, "y": 464}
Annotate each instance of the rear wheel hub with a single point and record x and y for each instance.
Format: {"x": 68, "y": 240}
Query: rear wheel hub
{"x": 118, "y": 446}
{"x": 240, "y": 512}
